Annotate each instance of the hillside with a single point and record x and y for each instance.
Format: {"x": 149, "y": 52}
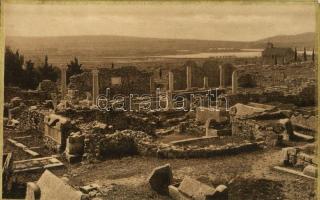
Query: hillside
{"x": 116, "y": 45}
{"x": 99, "y": 50}
{"x": 300, "y": 41}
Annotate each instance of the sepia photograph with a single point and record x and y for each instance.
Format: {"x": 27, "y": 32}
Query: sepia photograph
{"x": 139, "y": 100}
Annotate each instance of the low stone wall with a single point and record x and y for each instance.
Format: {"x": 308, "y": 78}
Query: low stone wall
{"x": 195, "y": 141}
{"x": 30, "y": 97}
{"x": 129, "y": 142}
{"x": 304, "y": 121}
{"x": 120, "y": 143}
{"x": 117, "y": 119}
{"x": 208, "y": 151}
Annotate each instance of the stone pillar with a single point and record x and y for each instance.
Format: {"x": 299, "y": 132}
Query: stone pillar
{"x": 63, "y": 81}
{"x": 169, "y": 100}
{"x": 189, "y": 76}
{"x": 171, "y": 81}
{"x": 234, "y": 82}
{"x": 205, "y": 82}
{"x": 95, "y": 86}
{"x": 222, "y": 81}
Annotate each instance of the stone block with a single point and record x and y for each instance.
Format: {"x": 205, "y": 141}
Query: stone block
{"x": 160, "y": 178}
{"x": 88, "y": 188}
{"x": 33, "y": 191}
{"x": 75, "y": 144}
{"x": 203, "y": 114}
{"x": 221, "y": 193}
{"x": 195, "y": 189}
{"x": 310, "y": 170}
{"x": 53, "y": 188}
{"x": 285, "y": 156}
{"x": 211, "y": 132}
{"x": 71, "y": 158}
{"x": 175, "y": 194}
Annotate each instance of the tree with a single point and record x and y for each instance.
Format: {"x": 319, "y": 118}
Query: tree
{"x": 47, "y": 71}
{"x": 304, "y": 54}
{"x": 295, "y": 55}
{"x": 13, "y": 67}
{"x": 30, "y": 79}
{"x": 74, "y": 68}
{"x": 313, "y": 55}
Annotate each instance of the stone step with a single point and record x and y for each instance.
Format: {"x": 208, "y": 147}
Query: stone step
{"x": 303, "y": 136}
{"x": 291, "y": 171}
{"x": 36, "y": 164}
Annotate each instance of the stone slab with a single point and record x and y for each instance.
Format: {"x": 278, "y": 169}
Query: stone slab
{"x": 160, "y": 178}
{"x": 291, "y": 171}
{"x": 36, "y": 164}
{"x": 195, "y": 189}
{"x": 54, "y": 188}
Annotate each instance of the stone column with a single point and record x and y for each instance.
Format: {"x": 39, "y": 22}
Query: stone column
{"x": 63, "y": 70}
{"x": 95, "y": 86}
{"x": 169, "y": 100}
{"x": 222, "y": 81}
{"x": 189, "y": 76}
{"x": 205, "y": 82}
{"x": 171, "y": 81}
{"x": 234, "y": 82}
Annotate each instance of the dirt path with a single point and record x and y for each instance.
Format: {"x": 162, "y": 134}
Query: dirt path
{"x": 255, "y": 178}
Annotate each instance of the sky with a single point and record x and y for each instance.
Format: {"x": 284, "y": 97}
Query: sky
{"x": 202, "y": 20}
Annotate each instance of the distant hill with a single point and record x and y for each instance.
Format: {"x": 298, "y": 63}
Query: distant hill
{"x": 300, "y": 40}
{"x": 118, "y": 45}
{"x": 95, "y": 50}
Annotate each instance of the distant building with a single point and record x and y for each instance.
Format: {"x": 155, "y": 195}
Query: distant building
{"x": 276, "y": 55}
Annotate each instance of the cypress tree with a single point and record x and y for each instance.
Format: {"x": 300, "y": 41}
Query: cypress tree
{"x": 304, "y": 54}
{"x": 312, "y": 55}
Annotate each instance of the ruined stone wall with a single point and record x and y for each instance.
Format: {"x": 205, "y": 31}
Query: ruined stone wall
{"x": 30, "y": 97}
{"x": 308, "y": 122}
{"x": 270, "y": 131}
{"x": 292, "y": 77}
{"x": 128, "y": 142}
{"x": 132, "y": 81}
{"x": 33, "y": 119}
{"x": 120, "y": 143}
{"x": 300, "y": 156}
{"x": 305, "y": 97}
{"x": 117, "y": 119}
